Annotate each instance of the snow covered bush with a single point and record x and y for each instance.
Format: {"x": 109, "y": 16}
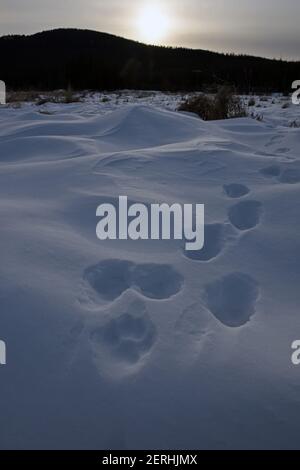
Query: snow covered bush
{"x": 224, "y": 105}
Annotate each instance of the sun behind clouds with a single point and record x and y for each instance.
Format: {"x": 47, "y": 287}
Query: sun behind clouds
{"x": 153, "y": 24}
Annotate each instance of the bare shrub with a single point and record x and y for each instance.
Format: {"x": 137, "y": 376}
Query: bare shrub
{"x": 203, "y": 105}
{"x": 258, "y": 117}
{"x": 231, "y": 106}
{"x": 40, "y": 98}
{"x": 22, "y": 96}
{"x": 251, "y": 102}
{"x": 15, "y": 105}
{"x": 70, "y": 96}
{"x": 45, "y": 112}
{"x": 42, "y": 101}
{"x": 224, "y": 105}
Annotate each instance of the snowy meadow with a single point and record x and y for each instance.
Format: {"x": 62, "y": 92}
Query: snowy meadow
{"x": 121, "y": 344}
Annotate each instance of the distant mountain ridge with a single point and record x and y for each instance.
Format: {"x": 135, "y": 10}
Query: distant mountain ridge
{"x": 87, "y": 59}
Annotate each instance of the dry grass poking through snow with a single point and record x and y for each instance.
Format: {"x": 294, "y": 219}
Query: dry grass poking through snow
{"x": 39, "y": 97}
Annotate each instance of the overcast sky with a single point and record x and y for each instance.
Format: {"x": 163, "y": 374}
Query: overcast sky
{"x": 261, "y": 27}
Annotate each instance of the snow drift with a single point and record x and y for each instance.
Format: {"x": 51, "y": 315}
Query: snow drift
{"x": 123, "y": 344}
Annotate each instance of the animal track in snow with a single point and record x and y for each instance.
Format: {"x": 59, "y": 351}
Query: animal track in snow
{"x": 232, "y": 299}
{"x": 274, "y": 140}
{"x": 290, "y": 176}
{"x": 127, "y": 338}
{"x": 245, "y": 215}
{"x": 110, "y": 278}
{"x": 121, "y": 343}
{"x": 236, "y": 190}
{"x": 283, "y": 150}
{"x": 287, "y": 176}
{"x": 157, "y": 281}
{"x": 215, "y": 236}
{"x": 271, "y": 171}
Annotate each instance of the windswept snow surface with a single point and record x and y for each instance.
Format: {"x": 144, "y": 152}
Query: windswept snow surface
{"x": 128, "y": 345}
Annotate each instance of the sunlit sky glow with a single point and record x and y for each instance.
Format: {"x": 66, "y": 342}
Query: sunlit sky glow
{"x": 261, "y": 27}
{"x": 153, "y": 23}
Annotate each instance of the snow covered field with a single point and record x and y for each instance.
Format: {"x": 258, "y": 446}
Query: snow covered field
{"x": 123, "y": 344}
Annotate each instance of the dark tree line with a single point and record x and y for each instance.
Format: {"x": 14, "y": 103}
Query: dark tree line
{"x": 86, "y": 59}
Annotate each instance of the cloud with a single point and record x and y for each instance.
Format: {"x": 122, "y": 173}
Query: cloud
{"x": 261, "y": 27}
